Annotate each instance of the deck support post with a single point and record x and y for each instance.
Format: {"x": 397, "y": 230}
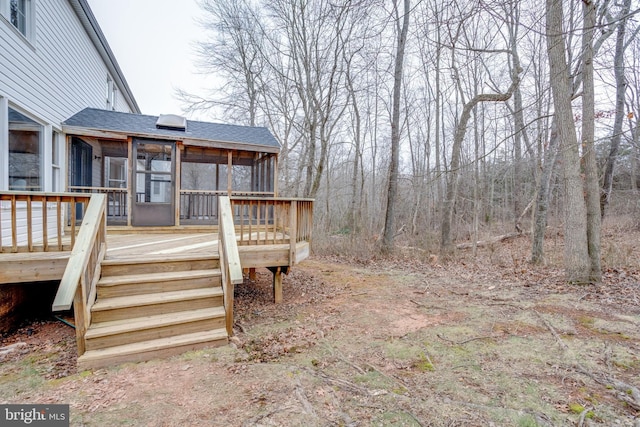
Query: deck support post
{"x": 79, "y": 319}
{"x": 252, "y": 274}
{"x": 277, "y": 285}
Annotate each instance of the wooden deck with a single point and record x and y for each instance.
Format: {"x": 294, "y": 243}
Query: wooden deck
{"x": 143, "y": 292}
{"x": 169, "y": 244}
{"x": 26, "y": 267}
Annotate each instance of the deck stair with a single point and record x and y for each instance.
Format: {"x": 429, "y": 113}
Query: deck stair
{"x": 150, "y": 307}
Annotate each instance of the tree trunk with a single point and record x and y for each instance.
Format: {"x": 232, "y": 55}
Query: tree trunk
{"x": 446, "y": 241}
{"x": 542, "y": 200}
{"x": 576, "y": 255}
{"x": 592, "y": 186}
{"x": 389, "y": 223}
{"x": 621, "y": 86}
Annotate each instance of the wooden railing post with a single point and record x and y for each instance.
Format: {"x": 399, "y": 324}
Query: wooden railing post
{"x": 79, "y": 319}
{"x": 293, "y": 229}
{"x": 91, "y": 243}
{"x": 229, "y": 258}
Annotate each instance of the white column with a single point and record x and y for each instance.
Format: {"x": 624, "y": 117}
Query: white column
{"x": 47, "y": 158}
{"x": 4, "y": 143}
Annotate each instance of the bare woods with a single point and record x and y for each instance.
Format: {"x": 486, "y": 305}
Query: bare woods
{"x": 432, "y": 123}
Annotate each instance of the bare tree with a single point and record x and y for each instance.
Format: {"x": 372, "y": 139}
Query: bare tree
{"x": 621, "y": 87}
{"x": 234, "y": 51}
{"x": 576, "y": 257}
{"x": 592, "y": 186}
{"x": 402, "y": 30}
{"x": 542, "y": 198}
{"x": 468, "y": 107}
{"x": 346, "y": 87}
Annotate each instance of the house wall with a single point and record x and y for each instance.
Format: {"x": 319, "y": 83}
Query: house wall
{"x": 57, "y": 73}
{"x": 49, "y": 75}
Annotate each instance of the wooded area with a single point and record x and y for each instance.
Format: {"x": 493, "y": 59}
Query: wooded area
{"x": 441, "y": 122}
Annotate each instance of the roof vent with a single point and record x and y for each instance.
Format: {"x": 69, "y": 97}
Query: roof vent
{"x": 172, "y": 122}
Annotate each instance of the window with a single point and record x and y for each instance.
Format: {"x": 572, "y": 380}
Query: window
{"x": 20, "y": 14}
{"x": 116, "y": 172}
{"x": 25, "y": 147}
{"x": 55, "y": 161}
{"x": 111, "y": 94}
{"x": 114, "y": 97}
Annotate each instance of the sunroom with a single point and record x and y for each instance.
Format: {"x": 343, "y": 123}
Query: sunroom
{"x": 166, "y": 171}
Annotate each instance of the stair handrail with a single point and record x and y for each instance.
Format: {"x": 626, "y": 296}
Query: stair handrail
{"x": 80, "y": 278}
{"x": 230, "y": 266}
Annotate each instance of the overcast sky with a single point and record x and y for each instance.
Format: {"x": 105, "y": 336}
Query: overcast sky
{"x": 153, "y": 41}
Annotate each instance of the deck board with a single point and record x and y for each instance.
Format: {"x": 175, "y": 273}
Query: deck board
{"x": 126, "y": 245}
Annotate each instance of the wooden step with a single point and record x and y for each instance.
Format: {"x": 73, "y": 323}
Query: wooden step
{"x": 144, "y": 264}
{"x": 138, "y": 284}
{"x": 152, "y": 349}
{"x": 129, "y": 307}
{"x": 128, "y": 331}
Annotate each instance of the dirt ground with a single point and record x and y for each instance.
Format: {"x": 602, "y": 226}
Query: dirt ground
{"x": 483, "y": 341}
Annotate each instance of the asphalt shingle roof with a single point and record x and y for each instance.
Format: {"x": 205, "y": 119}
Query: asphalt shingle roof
{"x": 138, "y": 124}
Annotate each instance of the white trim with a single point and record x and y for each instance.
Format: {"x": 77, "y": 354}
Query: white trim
{"x": 56, "y": 169}
{"x": 30, "y": 19}
{"x": 42, "y": 142}
{"x": 47, "y": 176}
{"x": 4, "y": 143}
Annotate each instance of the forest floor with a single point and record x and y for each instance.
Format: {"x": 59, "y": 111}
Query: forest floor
{"x": 483, "y": 341}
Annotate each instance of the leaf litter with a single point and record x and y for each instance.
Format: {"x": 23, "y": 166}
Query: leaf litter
{"x": 397, "y": 341}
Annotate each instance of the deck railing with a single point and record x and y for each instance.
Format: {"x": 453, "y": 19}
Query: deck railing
{"x": 117, "y": 205}
{"x": 35, "y": 221}
{"x": 229, "y": 258}
{"x": 78, "y": 284}
{"x": 201, "y": 206}
{"x": 272, "y": 221}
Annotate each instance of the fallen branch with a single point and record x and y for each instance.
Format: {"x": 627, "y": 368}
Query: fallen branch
{"x": 442, "y": 337}
{"x": 627, "y": 392}
{"x": 418, "y": 304}
{"x": 353, "y": 365}
{"x": 490, "y": 241}
{"x": 347, "y": 385}
{"x": 552, "y": 330}
{"x": 241, "y": 327}
{"x": 390, "y": 377}
{"x": 583, "y": 416}
{"x": 302, "y": 398}
{"x": 254, "y": 420}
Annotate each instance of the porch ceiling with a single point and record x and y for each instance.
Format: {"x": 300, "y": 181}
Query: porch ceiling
{"x": 117, "y": 125}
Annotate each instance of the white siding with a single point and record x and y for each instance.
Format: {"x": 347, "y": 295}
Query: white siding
{"x": 21, "y": 221}
{"x": 59, "y": 73}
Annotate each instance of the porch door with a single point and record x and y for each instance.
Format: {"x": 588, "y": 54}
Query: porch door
{"x": 81, "y": 160}
{"x": 154, "y": 183}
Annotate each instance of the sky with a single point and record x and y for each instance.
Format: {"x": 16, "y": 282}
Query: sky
{"x": 154, "y": 44}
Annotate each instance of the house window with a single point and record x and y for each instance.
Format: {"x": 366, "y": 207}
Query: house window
{"x": 20, "y": 13}
{"x": 110, "y": 93}
{"x": 116, "y": 172}
{"x": 55, "y": 161}
{"x": 25, "y": 147}
{"x": 114, "y": 97}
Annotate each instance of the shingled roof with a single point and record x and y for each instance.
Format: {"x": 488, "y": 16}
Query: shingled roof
{"x": 196, "y": 133}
